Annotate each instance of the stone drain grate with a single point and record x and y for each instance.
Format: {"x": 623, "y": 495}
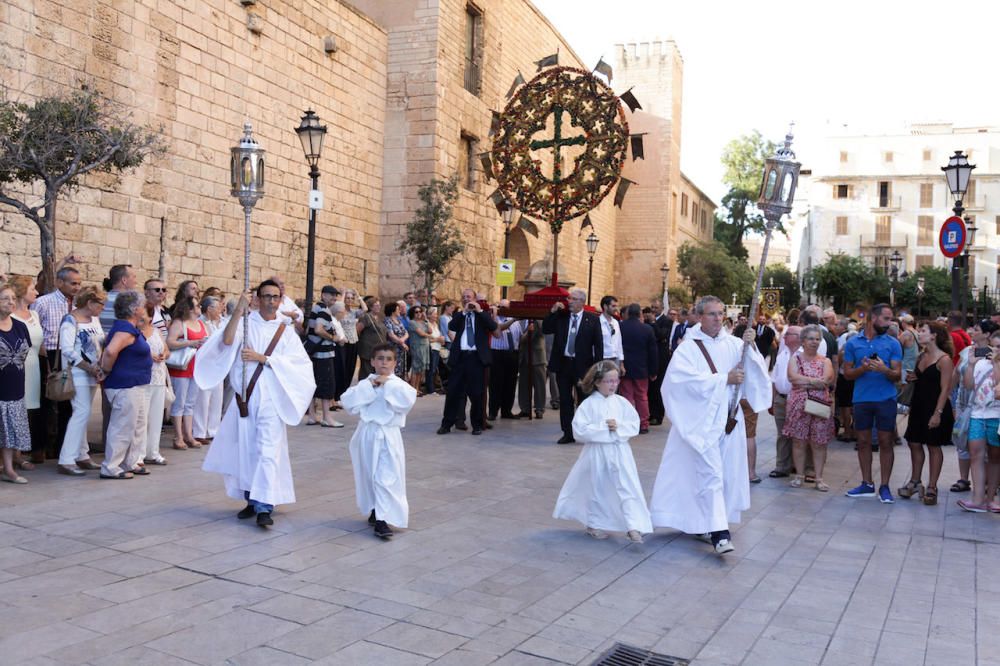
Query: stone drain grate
{"x": 628, "y": 655}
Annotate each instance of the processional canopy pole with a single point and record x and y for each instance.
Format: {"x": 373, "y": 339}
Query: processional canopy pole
{"x": 246, "y": 177}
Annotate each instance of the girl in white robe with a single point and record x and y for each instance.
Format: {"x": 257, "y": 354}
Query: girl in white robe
{"x": 603, "y": 490}
{"x": 383, "y": 400}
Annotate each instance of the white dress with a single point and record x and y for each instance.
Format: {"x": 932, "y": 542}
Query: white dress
{"x": 252, "y": 453}
{"x": 377, "y": 447}
{"x": 703, "y": 483}
{"x": 32, "y": 368}
{"x": 603, "y": 489}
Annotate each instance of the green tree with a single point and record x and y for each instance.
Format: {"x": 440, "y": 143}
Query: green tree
{"x": 782, "y": 277}
{"x": 847, "y": 280}
{"x": 51, "y": 143}
{"x": 710, "y": 269}
{"x": 743, "y": 161}
{"x": 431, "y": 239}
{"x": 937, "y": 292}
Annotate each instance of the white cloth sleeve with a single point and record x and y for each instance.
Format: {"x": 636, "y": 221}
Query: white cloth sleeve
{"x": 293, "y": 371}
{"x": 696, "y": 400}
{"x": 67, "y": 341}
{"x": 358, "y": 396}
{"x": 628, "y": 422}
{"x": 215, "y": 359}
{"x": 590, "y": 422}
{"x": 399, "y": 395}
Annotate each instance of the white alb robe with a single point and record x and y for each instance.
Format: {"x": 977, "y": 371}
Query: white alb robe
{"x": 603, "y": 489}
{"x": 703, "y": 484}
{"x": 377, "y": 447}
{"x": 252, "y": 453}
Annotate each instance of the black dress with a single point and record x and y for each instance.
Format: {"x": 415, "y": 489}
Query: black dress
{"x": 925, "y": 397}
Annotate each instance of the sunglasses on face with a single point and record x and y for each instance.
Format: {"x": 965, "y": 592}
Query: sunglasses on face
{"x": 160, "y": 290}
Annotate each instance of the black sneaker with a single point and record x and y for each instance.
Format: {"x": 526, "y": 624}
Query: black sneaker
{"x": 371, "y": 517}
{"x": 264, "y": 519}
{"x": 246, "y": 512}
{"x": 382, "y": 530}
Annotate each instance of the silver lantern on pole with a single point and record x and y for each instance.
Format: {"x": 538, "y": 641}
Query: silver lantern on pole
{"x": 246, "y": 177}
{"x": 777, "y": 193}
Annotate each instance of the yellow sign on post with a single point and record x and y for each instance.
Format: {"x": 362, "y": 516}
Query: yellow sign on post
{"x": 505, "y": 273}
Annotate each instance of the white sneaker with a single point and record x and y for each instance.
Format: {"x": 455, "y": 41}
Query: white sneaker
{"x": 332, "y": 424}
{"x": 724, "y": 546}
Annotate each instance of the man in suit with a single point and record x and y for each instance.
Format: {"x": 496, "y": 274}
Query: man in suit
{"x": 640, "y": 348}
{"x": 688, "y": 319}
{"x": 468, "y": 358}
{"x": 577, "y": 345}
{"x": 663, "y": 328}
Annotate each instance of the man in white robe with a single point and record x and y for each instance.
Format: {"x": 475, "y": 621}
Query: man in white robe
{"x": 251, "y": 452}
{"x": 383, "y": 401}
{"x": 702, "y": 485}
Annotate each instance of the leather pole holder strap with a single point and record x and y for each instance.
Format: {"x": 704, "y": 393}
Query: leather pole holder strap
{"x": 730, "y": 419}
{"x": 244, "y": 405}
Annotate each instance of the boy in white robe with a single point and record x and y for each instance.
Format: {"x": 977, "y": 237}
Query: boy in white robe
{"x": 603, "y": 490}
{"x": 383, "y": 400}
{"x": 251, "y": 452}
{"x": 703, "y": 485}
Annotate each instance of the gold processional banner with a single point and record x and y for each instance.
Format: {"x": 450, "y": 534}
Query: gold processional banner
{"x": 770, "y": 301}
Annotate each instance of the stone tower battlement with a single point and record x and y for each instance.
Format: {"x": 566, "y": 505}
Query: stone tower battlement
{"x": 655, "y": 71}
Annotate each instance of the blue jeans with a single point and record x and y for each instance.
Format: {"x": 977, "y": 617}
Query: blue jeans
{"x": 258, "y": 507}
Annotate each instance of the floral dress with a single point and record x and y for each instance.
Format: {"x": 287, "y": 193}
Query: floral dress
{"x": 798, "y": 424}
{"x": 398, "y": 329}
{"x": 15, "y": 346}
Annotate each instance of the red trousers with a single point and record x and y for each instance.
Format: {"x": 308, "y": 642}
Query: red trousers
{"x": 635, "y": 391}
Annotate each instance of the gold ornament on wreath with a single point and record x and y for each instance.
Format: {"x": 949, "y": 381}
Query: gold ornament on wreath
{"x": 586, "y": 114}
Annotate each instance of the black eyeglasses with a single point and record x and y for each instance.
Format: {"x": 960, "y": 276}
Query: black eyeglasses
{"x": 158, "y": 289}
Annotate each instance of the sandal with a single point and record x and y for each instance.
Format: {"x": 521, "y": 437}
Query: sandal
{"x": 180, "y": 445}
{"x": 930, "y": 496}
{"x": 755, "y": 479}
{"x": 912, "y": 487}
{"x": 24, "y": 465}
{"x": 961, "y": 486}
{"x": 822, "y": 487}
{"x": 796, "y": 481}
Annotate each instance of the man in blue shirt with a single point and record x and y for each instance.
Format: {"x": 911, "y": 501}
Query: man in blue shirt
{"x": 873, "y": 360}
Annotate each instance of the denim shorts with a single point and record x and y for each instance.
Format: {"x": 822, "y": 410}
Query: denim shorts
{"x": 985, "y": 429}
{"x": 881, "y": 415}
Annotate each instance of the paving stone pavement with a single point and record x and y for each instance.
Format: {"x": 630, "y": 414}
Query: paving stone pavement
{"x": 158, "y": 571}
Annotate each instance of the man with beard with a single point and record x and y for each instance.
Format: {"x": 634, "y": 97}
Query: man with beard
{"x": 873, "y": 359}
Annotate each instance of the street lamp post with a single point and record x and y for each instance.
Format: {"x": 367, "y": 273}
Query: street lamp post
{"x": 246, "y": 179}
{"x": 920, "y": 296}
{"x": 592, "y": 242}
{"x": 957, "y": 173}
{"x": 967, "y": 258}
{"x": 896, "y": 259}
{"x": 665, "y": 271}
{"x": 507, "y": 210}
{"x": 311, "y": 134}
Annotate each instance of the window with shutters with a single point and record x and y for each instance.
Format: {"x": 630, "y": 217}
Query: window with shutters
{"x": 926, "y": 195}
{"x": 922, "y": 261}
{"x": 970, "y": 194}
{"x": 843, "y": 156}
{"x": 694, "y": 213}
{"x": 928, "y": 155}
{"x": 925, "y": 230}
{"x": 841, "y": 191}
{"x": 841, "y": 225}
{"x": 887, "y": 156}
{"x": 473, "y": 49}
{"x": 998, "y": 225}
{"x": 884, "y": 193}
{"x": 467, "y": 162}
{"x": 883, "y": 229}
{"x": 684, "y": 205}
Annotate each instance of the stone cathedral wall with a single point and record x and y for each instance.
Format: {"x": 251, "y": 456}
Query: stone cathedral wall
{"x": 195, "y": 68}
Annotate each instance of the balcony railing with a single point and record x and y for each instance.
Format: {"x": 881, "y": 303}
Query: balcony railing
{"x": 890, "y": 241}
{"x": 886, "y": 204}
{"x": 471, "y": 81}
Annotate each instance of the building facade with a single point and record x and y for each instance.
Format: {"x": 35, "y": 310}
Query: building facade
{"x": 870, "y": 196}
{"x": 407, "y": 91}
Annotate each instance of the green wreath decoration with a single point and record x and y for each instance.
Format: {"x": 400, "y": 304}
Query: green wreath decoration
{"x": 566, "y": 93}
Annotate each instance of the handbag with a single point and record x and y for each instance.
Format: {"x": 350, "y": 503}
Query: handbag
{"x": 960, "y": 431}
{"x": 59, "y": 386}
{"x": 821, "y": 408}
{"x": 180, "y": 359}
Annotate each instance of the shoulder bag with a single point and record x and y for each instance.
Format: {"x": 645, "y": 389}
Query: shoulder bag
{"x": 59, "y": 385}
{"x": 244, "y": 404}
{"x": 730, "y": 419}
{"x": 180, "y": 359}
{"x": 821, "y": 408}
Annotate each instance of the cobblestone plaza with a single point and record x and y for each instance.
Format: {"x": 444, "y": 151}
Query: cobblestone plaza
{"x": 159, "y": 571}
